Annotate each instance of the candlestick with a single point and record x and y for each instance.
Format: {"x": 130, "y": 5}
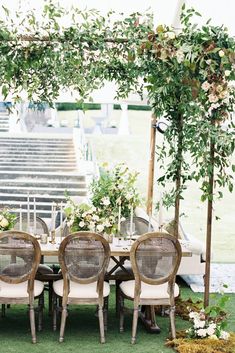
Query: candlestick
{"x": 20, "y": 217}
{"x": 53, "y": 223}
{"x": 34, "y": 217}
{"x": 160, "y": 214}
{"x": 61, "y": 219}
{"x": 28, "y": 214}
{"x": 119, "y": 218}
{"x": 131, "y": 222}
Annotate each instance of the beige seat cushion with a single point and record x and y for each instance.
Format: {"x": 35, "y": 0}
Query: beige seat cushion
{"x": 19, "y": 290}
{"x": 78, "y": 290}
{"x": 148, "y": 291}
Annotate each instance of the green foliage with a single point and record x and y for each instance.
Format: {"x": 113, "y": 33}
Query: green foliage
{"x": 115, "y": 188}
{"x": 7, "y": 220}
{"x": 186, "y": 73}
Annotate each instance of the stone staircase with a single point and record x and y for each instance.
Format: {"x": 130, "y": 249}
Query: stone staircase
{"x": 43, "y": 167}
{"x": 4, "y": 122}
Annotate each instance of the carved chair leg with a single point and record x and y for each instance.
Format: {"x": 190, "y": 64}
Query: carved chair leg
{"x": 117, "y": 284}
{"x": 121, "y": 313}
{"x": 172, "y": 321}
{"x": 32, "y": 323}
{"x": 106, "y": 306}
{"x": 54, "y": 312}
{"x": 101, "y": 323}
{"x": 3, "y": 310}
{"x": 152, "y": 315}
{"x": 63, "y": 322}
{"x": 134, "y": 324}
{"x": 40, "y": 311}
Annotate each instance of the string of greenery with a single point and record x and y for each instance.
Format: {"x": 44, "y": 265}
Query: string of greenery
{"x": 186, "y": 73}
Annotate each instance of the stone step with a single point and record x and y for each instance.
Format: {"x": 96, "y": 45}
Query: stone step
{"x": 38, "y": 153}
{"x": 42, "y": 148}
{"x": 44, "y": 164}
{"x": 38, "y": 160}
{"x": 21, "y": 193}
{"x": 26, "y": 140}
{"x": 41, "y": 175}
{"x": 17, "y": 199}
{"x": 42, "y": 183}
{"x": 38, "y": 168}
{"x": 3, "y": 130}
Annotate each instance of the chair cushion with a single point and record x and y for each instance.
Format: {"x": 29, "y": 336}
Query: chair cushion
{"x": 19, "y": 290}
{"x": 148, "y": 291}
{"x": 79, "y": 290}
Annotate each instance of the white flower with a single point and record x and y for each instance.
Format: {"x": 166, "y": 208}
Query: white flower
{"x": 92, "y": 226}
{"x": 120, "y": 186}
{"x": 129, "y": 196}
{"x": 202, "y": 332}
{"x": 211, "y": 329}
{"x": 4, "y": 222}
{"x": 221, "y": 53}
{"x": 1, "y": 217}
{"x": 105, "y": 201}
{"x": 205, "y": 86}
{"x": 96, "y": 217}
{"x": 224, "y": 335}
{"x": 123, "y": 219}
{"x": 194, "y": 315}
{"x": 180, "y": 56}
{"x": 208, "y": 61}
{"x": 84, "y": 214}
{"x": 107, "y": 223}
{"x": 227, "y": 72}
{"x": 170, "y": 35}
{"x": 81, "y": 224}
{"x": 212, "y": 98}
{"x": 100, "y": 228}
{"x": 199, "y": 323}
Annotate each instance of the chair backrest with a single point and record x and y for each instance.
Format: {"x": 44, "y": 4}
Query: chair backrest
{"x": 141, "y": 226}
{"x": 155, "y": 258}
{"x": 84, "y": 257}
{"x": 41, "y": 226}
{"x": 19, "y": 257}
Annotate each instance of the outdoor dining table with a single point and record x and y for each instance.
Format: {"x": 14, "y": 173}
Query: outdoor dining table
{"x": 120, "y": 251}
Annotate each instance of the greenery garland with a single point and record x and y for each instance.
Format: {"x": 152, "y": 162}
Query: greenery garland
{"x": 186, "y": 72}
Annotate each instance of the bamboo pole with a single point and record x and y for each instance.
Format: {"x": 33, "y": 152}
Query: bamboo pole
{"x": 209, "y": 225}
{"x": 151, "y": 165}
{"x": 178, "y": 176}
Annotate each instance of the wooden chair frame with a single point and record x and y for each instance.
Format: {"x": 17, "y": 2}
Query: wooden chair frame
{"x": 66, "y": 282}
{"x": 139, "y": 278}
{"x": 30, "y": 277}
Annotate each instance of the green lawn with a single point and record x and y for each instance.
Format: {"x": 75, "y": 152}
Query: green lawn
{"x": 82, "y": 334}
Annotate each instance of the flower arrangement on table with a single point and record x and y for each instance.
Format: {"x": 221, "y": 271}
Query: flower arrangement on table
{"x": 114, "y": 196}
{"x": 86, "y": 217}
{"x": 115, "y": 190}
{"x": 7, "y": 220}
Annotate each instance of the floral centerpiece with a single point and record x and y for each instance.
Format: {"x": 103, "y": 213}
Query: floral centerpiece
{"x": 115, "y": 189}
{"x": 86, "y": 217}
{"x": 7, "y": 220}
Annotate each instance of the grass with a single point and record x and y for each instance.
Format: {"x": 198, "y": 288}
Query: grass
{"x": 82, "y": 332}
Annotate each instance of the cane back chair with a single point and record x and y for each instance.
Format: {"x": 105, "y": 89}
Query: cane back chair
{"x": 84, "y": 258}
{"x": 155, "y": 259}
{"x": 19, "y": 259}
{"x": 140, "y": 226}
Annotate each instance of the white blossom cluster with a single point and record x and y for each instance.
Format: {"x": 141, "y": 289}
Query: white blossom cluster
{"x": 203, "y": 327}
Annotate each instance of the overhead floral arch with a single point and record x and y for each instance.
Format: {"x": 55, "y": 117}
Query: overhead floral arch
{"x": 187, "y": 74}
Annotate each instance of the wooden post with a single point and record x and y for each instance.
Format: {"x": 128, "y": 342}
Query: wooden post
{"x": 209, "y": 225}
{"x": 151, "y": 165}
{"x": 178, "y": 176}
